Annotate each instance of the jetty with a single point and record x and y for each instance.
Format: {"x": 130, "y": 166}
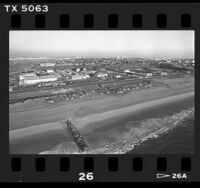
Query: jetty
{"x": 78, "y": 139}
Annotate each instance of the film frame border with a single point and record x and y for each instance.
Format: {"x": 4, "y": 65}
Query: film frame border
{"x": 149, "y": 17}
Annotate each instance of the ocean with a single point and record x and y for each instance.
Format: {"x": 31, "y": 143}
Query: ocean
{"x": 179, "y": 140}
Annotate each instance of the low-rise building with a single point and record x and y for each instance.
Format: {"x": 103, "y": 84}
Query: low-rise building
{"x": 49, "y": 71}
{"x": 62, "y": 83}
{"x": 46, "y": 84}
{"x": 78, "y": 69}
{"x": 24, "y": 76}
{"x": 118, "y": 76}
{"x": 127, "y": 71}
{"x": 79, "y": 76}
{"x": 92, "y": 71}
{"x": 47, "y": 64}
{"x": 31, "y": 80}
{"x": 149, "y": 74}
{"x": 102, "y": 75}
{"x": 163, "y": 73}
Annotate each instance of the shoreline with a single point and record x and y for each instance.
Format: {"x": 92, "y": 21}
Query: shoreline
{"x": 95, "y": 119}
{"x": 128, "y": 145}
{"x": 25, "y": 115}
{"x": 116, "y": 114}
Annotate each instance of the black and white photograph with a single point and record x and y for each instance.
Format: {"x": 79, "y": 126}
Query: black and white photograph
{"x": 101, "y": 91}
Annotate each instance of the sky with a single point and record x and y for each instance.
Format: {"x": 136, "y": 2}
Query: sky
{"x": 140, "y": 43}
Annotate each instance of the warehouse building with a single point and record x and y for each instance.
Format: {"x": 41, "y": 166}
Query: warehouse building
{"x": 24, "y": 76}
{"x": 149, "y": 74}
{"x": 80, "y": 76}
{"x": 31, "y": 80}
{"x": 47, "y": 64}
{"x": 49, "y": 71}
{"x": 102, "y": 75}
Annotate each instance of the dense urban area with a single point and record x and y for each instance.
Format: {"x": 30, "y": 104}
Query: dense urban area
{"x": 64, "y": 79}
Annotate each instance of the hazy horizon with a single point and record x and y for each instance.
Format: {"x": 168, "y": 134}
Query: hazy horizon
{"x": 137, "y": 44}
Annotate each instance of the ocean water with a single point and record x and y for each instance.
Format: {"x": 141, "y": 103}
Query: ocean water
{"x": 171, "y": 134}
{"x": 179, "y": 140}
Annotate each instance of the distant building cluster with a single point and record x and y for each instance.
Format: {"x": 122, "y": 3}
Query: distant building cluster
{"x": 66, "y": 71}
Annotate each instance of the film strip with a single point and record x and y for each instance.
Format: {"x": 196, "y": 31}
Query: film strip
{"x": 154, "y": 162}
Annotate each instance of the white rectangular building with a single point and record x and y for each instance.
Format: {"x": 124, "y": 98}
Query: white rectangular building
{"x": 50, "y": 71}
{"x": 80, "y": 76}
{"x": 102, "y": 75}
{"x": 47, "y": 64}
{"x": 31, "y": 80}
{"x": 23, "y": 76}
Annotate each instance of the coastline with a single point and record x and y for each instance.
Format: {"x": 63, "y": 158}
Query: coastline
{"x": 101, "y": 120}
{"x": 129, "y": 144}
{"x": 85, "y": 124}
{"x": 25, "y": 115}
{"x": 117, "y": 114}
{"x": 179, "y": 140}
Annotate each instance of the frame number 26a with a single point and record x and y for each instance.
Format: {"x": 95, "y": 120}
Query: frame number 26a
{"x": 86, "y": 176}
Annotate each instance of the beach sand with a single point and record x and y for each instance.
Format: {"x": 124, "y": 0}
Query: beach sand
{"x": 117, "y": 114}
{"x": 44, "y": 126}
{"x": 127, "y": 137}
{"x": 18, "y": 118}
{"x": 88, "y": 123}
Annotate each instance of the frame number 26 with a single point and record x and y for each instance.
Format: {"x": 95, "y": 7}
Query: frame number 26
{"x": 86, "y": 176}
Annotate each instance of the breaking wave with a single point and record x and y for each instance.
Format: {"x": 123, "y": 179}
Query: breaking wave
{"x": 123, "y": 139}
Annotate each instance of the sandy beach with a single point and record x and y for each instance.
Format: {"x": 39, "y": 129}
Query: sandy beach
{"x": 26, "y": 114}
{"x": 43, "y": 128}
{"x": 88, "y": 123}
{"x": 115, "y": 115}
